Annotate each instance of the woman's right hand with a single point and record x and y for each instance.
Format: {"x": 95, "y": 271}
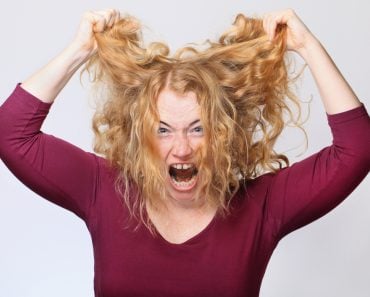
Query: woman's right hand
{"x": 94, "y": 22}
{"x": 47, "y": 82}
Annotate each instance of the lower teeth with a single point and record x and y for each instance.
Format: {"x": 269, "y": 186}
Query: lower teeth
{"x": 183, "y": 183}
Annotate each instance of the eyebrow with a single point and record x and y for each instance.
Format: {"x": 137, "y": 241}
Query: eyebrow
{"x": 191, "y": 124}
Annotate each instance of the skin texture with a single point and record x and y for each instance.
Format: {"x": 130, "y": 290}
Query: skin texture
{"x": 179, "y": 135}
{"x": 177, "y": 142}
{"x": 337, "y": 96}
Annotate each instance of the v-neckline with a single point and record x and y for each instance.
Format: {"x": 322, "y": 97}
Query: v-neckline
{"x": 190, "y": 241}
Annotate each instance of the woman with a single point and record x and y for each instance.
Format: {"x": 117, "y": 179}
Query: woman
{"x": 179, "y": 198}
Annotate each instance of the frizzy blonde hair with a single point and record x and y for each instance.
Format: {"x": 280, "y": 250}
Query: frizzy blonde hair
{"x": 242, "y": 86}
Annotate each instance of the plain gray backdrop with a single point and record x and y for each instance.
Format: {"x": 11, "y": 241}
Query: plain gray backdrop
{"x": 46, "y": 250}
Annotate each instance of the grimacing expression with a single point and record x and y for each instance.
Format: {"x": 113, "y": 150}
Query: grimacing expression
{"x": 179, "y": 135}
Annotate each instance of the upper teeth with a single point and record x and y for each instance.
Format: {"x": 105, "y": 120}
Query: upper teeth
{"x": 182, "y": 166}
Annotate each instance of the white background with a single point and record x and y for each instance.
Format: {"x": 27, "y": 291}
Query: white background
{"x": 47, "y": 251}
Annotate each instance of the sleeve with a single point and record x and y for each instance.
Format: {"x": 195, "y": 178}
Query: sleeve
{"x": 51, "y": 167}
{"x": 309, "y": 189}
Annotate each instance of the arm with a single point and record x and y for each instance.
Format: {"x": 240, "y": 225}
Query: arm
{"x": 46, "y": 83}
{"x": 51, "y": 167}
{"x": 336, "y": 94}
{"x": 310, "y": 188}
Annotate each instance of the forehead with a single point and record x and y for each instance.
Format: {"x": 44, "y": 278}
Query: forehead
{"x": 177, "y": 109}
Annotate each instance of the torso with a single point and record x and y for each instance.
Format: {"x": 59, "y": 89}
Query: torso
{"x": 178, "y": 229}
{"x": 216, "y": 256}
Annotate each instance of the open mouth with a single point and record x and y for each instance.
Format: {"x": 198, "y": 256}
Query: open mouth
{"x": 183, "y": 175}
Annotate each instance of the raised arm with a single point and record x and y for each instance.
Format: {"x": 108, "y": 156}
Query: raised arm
{"x": 55, "y": 169}
{"x": 46, "y": 83}
{"x": 310, "y": 188}
{"x": 335, "y": 92}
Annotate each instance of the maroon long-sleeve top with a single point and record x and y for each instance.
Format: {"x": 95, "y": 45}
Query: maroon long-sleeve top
{"x": 229, "y": 257}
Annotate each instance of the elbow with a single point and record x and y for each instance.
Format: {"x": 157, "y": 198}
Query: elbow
{"x": 359, "y": 159}
{"x": 353, "y": 146}
{"x": 3, "y": 131}
{"x": 355, "y": 156}
{"x": 12, "y": 135}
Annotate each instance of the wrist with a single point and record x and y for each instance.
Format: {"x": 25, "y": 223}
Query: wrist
{"x": 75, "y": 55}
{"x": 310, "y": 49}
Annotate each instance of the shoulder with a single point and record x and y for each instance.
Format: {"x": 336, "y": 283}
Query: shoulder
{"x": 106, "y": 170}
{"x": 256, "y": 190}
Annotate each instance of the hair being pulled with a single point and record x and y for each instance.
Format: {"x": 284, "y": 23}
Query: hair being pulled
{"x": 242, "y": 86}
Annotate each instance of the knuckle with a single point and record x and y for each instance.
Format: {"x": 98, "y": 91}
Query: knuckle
{"x": 109, "y": 11}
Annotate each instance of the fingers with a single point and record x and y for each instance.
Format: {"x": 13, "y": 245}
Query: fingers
{"x": 102, "y": 19}
{"x": 272, "y": 20}
{"x": 270, "y": 26}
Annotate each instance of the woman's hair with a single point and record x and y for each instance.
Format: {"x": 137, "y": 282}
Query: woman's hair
{"x": 242, "y": 86}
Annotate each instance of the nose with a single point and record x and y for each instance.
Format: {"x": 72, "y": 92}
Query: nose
{"x": 182, "y": 148}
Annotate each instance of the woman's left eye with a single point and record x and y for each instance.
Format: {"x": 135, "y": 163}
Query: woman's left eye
{"x": 198, "y": 130}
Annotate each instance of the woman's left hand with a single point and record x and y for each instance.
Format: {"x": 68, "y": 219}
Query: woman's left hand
{"x": 298, "y": 35}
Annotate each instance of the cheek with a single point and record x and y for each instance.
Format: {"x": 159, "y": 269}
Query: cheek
{"x": 164, "y": 148}
{"x": 197, "y": 143}
{"x": 198, "y": 148}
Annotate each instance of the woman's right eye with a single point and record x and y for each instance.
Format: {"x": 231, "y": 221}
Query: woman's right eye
{"x": 162, "y": 131}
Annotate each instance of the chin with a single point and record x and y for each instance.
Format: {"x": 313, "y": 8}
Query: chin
{"x": 182, "y": 193}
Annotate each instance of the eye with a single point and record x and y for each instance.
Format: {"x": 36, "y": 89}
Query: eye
{"x": 198, "y": 130}
{"x": 162, "y": 131}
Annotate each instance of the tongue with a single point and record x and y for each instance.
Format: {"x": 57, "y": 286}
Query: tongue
{"x": 182, "y": 174}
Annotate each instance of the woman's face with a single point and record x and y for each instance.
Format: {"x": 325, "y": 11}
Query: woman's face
{"x": 179, "y": 135}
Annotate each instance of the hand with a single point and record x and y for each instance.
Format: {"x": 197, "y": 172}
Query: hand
{"x": 298, "y": 35}
{"x": 94, "y": 22}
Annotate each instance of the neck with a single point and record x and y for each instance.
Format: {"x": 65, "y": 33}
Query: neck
{"x": 179, "y": 210}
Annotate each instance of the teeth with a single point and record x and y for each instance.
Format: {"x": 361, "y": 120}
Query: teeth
{"x": 184, "y": 184}
{"x": 182, "y": 166}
